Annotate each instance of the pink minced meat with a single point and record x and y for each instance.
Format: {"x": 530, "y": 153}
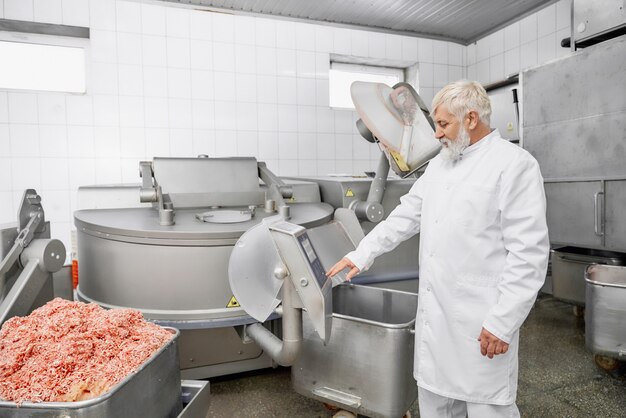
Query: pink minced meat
{"x": 70, "y": 351}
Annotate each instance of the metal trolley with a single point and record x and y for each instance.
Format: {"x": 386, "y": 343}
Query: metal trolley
{"x": 367, "y": 365}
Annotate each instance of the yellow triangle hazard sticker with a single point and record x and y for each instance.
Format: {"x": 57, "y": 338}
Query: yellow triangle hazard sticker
{"x": 349, "y": 193}
{"x": 233, "y": 303}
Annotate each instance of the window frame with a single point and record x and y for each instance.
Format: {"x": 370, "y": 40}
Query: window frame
{"x": 56, "y": 41}
{"x": 369, "y": 70}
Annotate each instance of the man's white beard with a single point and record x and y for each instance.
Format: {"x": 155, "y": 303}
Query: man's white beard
{"x": 452, "y": 149}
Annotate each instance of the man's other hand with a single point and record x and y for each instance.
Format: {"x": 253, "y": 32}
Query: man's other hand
{"x": 490, "y": 345}
{"x": 342, "y": 264}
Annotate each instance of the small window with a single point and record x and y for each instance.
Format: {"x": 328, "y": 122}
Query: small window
{"x": 31, "y": 66}
{"x": 341, "y": 76}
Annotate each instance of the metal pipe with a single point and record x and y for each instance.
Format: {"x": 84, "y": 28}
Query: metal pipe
{"x": 372, "y": 209}
{"x": 285, "y": 351}
{"x": 285, "y": 212}
{"x": 377, "y": 188}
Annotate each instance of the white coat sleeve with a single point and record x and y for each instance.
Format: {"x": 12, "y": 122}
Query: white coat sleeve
{"x": 523, "y": 218}
{"x": 401, "y": 224}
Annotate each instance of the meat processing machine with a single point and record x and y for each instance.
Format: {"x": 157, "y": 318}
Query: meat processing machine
{"x": 29, "y": 257}
{"x": 163, "y": 246}
{"x": 364, "y": 332}
{"x": 168, "y": 255}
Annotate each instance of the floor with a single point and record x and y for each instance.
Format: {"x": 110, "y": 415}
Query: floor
{"x": 558, "y": 378}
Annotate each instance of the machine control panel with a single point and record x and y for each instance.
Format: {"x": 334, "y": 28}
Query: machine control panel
{"x": 314, "y": 261}
{"x": 307, "y": 274}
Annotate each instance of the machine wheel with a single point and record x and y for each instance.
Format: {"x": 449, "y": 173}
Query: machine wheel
{"x": 579, "y": 311}
{"x": 344, "y": 414}
{"x": 608, "y": 364}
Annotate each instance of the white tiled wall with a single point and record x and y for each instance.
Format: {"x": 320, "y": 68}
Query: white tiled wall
{"x": 174, "y": 81}
{"x": 531, "y": 41}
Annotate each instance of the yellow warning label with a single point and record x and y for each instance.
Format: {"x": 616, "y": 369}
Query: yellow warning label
{"x": 233, "y": 303}
{"x": 349, "y": 193}
{"x": 399, "y": 161}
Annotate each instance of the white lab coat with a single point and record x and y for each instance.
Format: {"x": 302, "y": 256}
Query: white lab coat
{"x": 483, "y": 257}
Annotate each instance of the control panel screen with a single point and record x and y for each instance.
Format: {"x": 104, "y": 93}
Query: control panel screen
{"x": 314, "y": 261}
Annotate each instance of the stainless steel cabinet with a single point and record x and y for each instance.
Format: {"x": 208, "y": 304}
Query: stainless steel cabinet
{"x": 573, "y": 213}
{"x": 574, "y": 124}
{"x": 587, "y": 213}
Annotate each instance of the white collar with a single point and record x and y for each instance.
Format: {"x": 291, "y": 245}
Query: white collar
{"x": 481, "y": 143}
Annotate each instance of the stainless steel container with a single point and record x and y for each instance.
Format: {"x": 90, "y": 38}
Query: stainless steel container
{"x": 196, "y": 396}
{"x": 568, "y": 270}
{"x": 154, "y": 390}
{"x": 605, "y": 313}
{"x": 367, "y": 366}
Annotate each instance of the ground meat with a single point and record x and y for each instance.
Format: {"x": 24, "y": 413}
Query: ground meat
{"x": 69, "y": 351}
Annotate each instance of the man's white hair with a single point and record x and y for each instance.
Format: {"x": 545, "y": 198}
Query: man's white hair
{"x": 463, "y": 96}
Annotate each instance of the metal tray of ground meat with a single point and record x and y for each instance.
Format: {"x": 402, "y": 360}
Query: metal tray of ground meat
{"x": 154, "y": 391}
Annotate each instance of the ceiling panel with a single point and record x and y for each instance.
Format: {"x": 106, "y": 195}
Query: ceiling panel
{"x": 462, "y": 21}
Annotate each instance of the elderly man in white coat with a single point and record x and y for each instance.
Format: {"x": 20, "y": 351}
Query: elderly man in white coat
{"x": 480, "y": 208}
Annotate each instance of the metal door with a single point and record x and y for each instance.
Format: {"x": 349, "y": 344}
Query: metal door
{"x": 616, "y": 215}
{"x": 575, "y": 213}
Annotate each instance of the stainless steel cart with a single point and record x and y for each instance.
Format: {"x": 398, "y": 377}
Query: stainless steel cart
{"x": 367, "y": 365}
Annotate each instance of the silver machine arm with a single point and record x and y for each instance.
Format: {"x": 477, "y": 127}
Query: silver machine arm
{"x": 151, "y": 192}
{"x": 36, "y": 254}
{"x": 398, "y": 120}
{"x": 372, "y": 209}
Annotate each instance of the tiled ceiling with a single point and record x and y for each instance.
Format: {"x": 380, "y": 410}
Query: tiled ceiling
{"x": 462, "y": 21}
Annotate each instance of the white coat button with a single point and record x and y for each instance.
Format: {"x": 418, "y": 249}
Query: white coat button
{"x": 428, "y": 289}
{"x": 426, "y": 323}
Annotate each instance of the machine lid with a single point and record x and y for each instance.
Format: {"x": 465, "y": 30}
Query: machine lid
{"x": 398, "y": 118}
{"x": 251, "y": 268}
{"x": 144, "y": 222}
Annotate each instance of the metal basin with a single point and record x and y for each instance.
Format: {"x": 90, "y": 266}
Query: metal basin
{"x": 568, "y": 270}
